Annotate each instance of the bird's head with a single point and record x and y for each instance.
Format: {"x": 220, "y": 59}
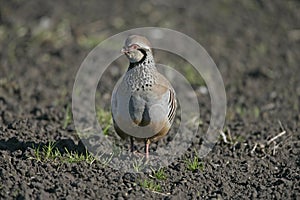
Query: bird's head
{"x": 136, "y": 48}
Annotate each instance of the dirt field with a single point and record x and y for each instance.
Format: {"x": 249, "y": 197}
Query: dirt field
{"x": 255, "y": 45}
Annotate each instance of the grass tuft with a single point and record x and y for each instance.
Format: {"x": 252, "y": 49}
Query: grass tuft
{"x": 160, "y": 174}
{"x": 151, "y": 185}
{"x": 73, "y": 157}
{"x": 37, "y": 153}
{"x": 51, "y": 153}
{"x": 193, "y": 164}
{"x": 138, "y": 164}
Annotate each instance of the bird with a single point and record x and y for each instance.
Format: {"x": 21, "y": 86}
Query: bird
{"x": 145, "y": 93}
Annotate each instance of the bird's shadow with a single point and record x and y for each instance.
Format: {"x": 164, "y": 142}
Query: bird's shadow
{"x": 13, "y": 144}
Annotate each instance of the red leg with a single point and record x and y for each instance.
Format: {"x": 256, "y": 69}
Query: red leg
{"x": 147, "y": 143}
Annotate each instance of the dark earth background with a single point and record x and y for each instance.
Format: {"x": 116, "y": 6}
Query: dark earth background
{"x": 255, "y": 45}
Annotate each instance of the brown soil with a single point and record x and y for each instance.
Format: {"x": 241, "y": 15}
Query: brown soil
{"x": 255, "y": 45}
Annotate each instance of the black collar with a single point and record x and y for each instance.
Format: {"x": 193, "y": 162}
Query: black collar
{"x": 132, "y": 65}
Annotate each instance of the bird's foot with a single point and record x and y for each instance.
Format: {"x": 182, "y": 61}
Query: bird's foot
{"x": 139, "y": 154}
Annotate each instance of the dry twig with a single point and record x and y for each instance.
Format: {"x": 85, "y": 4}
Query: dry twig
{"x": 253, "y": 150}
{"x": 274, "y": 138}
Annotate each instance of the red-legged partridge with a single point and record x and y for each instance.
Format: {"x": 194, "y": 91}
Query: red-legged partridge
{"x": 151, "y": 103}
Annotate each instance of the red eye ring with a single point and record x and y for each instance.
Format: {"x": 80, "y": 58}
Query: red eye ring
{"x": 134, "y": 46}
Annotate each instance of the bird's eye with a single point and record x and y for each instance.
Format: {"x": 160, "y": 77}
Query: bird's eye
{"x": 134, "y": 46}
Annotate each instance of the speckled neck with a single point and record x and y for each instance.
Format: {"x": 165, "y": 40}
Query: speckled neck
{"x": 142, "y": 75}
